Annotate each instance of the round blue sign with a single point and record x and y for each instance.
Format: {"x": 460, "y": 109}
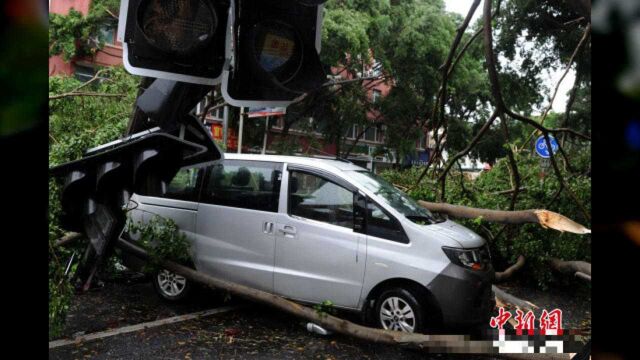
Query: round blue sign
{"x": 541, "y": 146}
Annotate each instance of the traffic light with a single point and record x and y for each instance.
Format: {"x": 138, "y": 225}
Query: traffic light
{"x": 274, "y": 54}
{"x": 96, "y": 188}
{"x": 265, "y": 52}
{"x": 181, "y": 40}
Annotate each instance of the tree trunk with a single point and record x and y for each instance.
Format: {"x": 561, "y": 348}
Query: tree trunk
{"x": 507, "y": 298}
{"x": 69, "y": 238}
{"x": 546, "y": 218}
{"x": 581, "y": 269}
{"x": 504, "y": 275}
{"x": 332, "y": 323}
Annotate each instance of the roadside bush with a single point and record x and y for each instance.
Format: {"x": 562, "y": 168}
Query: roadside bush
{"x": 531, "y": 240}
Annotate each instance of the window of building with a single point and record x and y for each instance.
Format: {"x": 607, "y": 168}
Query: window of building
{"x": 184, "y": 185}
{"x": 107, "y": 32}
{"x": 352, "y": 132}
{"x": 316, "y": 198}
{"x": 84, "y": 73}
{"x": 375, "y": 96}
{"x": 380, "y": 134}
{"x": 370, "y": 134}
{"x": 244, "y": 184}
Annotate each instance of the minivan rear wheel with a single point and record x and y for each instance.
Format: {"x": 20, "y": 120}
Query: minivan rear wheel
{"x": 171, "y": 286}
{"x": 399, "y": 310}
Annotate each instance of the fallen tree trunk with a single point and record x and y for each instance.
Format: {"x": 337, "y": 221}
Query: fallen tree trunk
{"x": 507, "y": 298}
{"x": 444, "y": 343}
{"x": 581, "y": 269}
{"x": 546, "y": 218}
{"x": 504, "y": 275}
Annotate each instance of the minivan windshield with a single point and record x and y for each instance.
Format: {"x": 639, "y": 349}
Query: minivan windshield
{"x": 394, "y": 197}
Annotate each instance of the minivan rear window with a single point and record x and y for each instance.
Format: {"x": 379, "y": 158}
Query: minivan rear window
{"x": 184, "y": 185}
{"x": 251, "y": 185}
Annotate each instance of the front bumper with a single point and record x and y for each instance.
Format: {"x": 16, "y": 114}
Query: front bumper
{"x": 464, "y": 296}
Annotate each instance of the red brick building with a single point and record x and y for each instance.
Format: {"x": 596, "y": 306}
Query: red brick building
{"x": 85, "y": 68}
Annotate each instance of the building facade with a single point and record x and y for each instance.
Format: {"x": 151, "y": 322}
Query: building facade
{"x": 84, "y": 68}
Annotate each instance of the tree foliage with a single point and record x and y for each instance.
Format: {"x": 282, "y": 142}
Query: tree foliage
{"x": 531, "y": 240}
{"x": 75, "y": 35}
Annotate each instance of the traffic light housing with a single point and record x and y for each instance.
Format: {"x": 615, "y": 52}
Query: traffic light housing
{"x": 265, "y": 52}
{"x": 181, "y": 40}
{"x": 274, "y": 52}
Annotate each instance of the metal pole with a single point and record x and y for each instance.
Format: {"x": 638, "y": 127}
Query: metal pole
{"x": 266, "y": 131}
{"x": 240, "y": 130}
{"x": 225, "y": 126}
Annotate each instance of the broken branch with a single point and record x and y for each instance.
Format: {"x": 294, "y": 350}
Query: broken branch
{"x": 504, "y": 275}
{"x": 545, "y": 218}
{"x": 507, "y": 298}
{"x": 571, "y": 267}
{"x": 332, "y": 323}
{"x": 68, "y": 238}
{"x": 72, "y": 94}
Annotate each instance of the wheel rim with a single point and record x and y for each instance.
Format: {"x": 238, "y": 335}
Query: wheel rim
{"x": 171, "y": 284}
{"x": 396, "y": 314}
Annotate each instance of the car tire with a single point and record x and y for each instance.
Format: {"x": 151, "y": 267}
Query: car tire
{"x": 170, "y": 286}
{"x": 400, "y": 310}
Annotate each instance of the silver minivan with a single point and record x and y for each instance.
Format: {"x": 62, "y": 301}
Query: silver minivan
{"x": 313, "y": 230}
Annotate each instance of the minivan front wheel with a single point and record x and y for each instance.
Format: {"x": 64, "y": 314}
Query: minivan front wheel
{"x": 171, "y": 286}
{"x": 398, "y": 309}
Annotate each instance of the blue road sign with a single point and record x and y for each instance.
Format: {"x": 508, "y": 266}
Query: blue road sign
{"x": 541, "y": 146}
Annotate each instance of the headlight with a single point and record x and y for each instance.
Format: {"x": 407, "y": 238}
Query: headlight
{"x": 474, "y": 259}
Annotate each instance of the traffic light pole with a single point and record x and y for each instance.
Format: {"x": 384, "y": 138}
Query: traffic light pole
{"x": 225, "y": 126}
{"x": 266, "y": 133}
{"x": 240, "y": 130}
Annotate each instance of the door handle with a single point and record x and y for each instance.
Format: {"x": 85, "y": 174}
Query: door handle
{"x": 287, "y": 230}
{"x": 267, "y": 227}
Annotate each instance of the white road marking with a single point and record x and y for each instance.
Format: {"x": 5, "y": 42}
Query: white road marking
{"x": 142, "y": 326}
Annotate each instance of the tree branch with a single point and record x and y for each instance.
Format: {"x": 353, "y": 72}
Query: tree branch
{"x": 68, "y": 238}
{"x": 508, "y": 273}
{"x": 583, "y": 40}
{"x": 82, "y": 94}
{"x": 470, "y": 146}
{"x": 502, "y": 108}
{"x": 545, "y": 218}
{"x": 332, "y": 323}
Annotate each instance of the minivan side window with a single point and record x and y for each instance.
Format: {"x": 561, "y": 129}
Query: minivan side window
{"x": 381, "y": 224}
{"x": 251, "y": 185}
{"x": 316, "y": 198}
{"x": 184, "y": 185}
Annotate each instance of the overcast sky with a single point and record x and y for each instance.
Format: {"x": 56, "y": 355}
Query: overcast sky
{"x": 550, "y": 78}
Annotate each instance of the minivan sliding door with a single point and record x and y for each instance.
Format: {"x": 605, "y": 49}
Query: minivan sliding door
{"x": 236, "y": 222}
{"x": 178, "y": 203}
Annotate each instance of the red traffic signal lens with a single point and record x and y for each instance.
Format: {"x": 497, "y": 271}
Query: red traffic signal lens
{"x": 179, "y": 27}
